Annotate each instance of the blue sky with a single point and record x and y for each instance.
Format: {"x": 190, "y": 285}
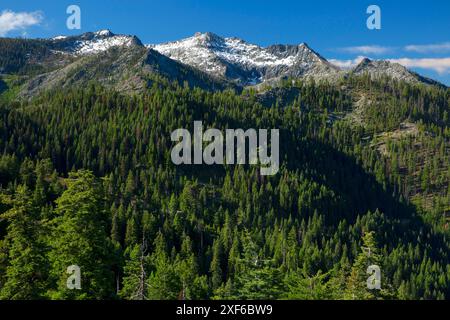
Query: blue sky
{"x": 414, "y": 33}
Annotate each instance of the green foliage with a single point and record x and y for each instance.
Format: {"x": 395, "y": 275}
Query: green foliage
{"x": 80, "y": 238}
{"x": 152, "y": 230}
{"x": 134, "y": 284}
{"x": 16, "y": 53}
{"x": 24, "y": 250}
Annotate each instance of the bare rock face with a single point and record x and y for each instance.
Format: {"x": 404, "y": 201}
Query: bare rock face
{"x": 204, "y": 60}
{"x": 116, "y": 61}
{"x": 245, "y": 63}
{"x": 381, "y": 68}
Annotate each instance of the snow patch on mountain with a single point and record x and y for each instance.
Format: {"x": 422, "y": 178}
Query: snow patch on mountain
{"x": 244, "y": 62}
{"x": 59, "y": 37}
{"x": 105, "y": 33}
{"x": 99, "y": 45}
{"x": 235, "y": 60}
{"x": 203, "y": 46}
{"x": 93, "y": 42}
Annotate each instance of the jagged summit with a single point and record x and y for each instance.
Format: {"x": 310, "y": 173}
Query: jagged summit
{"x": 209, "y": 38}
{"x": 245, "y": 63}
{"x": 226, "y": 60}
{"x": 93, "y": 42}
{"x": 104, "y": 33}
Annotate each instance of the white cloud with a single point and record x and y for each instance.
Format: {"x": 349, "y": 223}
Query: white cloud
{"x": 366, "y": 50}
{"x": 429, "y": 48}
{"x": 12, "y": 21}
{"x": 347, "y": 64}
{"x": 440, "y": 65}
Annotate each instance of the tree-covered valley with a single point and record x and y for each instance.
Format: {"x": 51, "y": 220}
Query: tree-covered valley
{"x": 86, "y": 179}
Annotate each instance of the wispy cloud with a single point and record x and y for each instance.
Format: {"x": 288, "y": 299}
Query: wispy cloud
{"x": 347, "y": 64}
{"x": 440, "y": 65}
{"x": 429, "y": 48}
{"x": 12, "y": 21}
{"x": 380, "y": 50}
{"x": 377, "y": 50}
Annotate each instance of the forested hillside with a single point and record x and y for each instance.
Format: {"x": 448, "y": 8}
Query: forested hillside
{"x": 86, "y": 178}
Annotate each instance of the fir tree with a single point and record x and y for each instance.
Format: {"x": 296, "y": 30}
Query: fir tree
{"x": 26, "y": 271}
{"x": 80, "y": 238}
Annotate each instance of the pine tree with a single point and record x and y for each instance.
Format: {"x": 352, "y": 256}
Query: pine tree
{"x": 26, "y": 271}
{"x": 304, "y": 287}
{"x": 80, "y": 238}
{"x": 357, "y": 287}
{"x": 257, "y": 278}
{"x": 215, "y": 268}
{"x": 163, "y": 282}
{"x": 136, "y": 269}
{"x": 193, "y": 286}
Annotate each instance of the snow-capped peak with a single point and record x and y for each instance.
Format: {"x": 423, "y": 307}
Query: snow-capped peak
{"x": 93, "y": 42}
{"x": 104, "y": 33}
{"x": 102, "y": 44}
{"x": 233, "y": 59}
{"x": 244, "y": 62}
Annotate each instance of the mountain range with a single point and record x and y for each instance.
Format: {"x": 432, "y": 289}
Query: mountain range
{"x": 248, "y": 64}
{"x": 86, "y": 173}
{"x": 205, "y": 60}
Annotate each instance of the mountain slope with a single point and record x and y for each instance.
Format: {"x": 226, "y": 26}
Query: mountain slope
{"x": 244, "y": 63}
{"x": 117, "y": 61}
{"x": 331, "y": 190}
{"x": 247, "y": 64}
{"x": 396, "y": 71}
{"x": 341, "y": 181}
{"x": 205, "y": 60}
